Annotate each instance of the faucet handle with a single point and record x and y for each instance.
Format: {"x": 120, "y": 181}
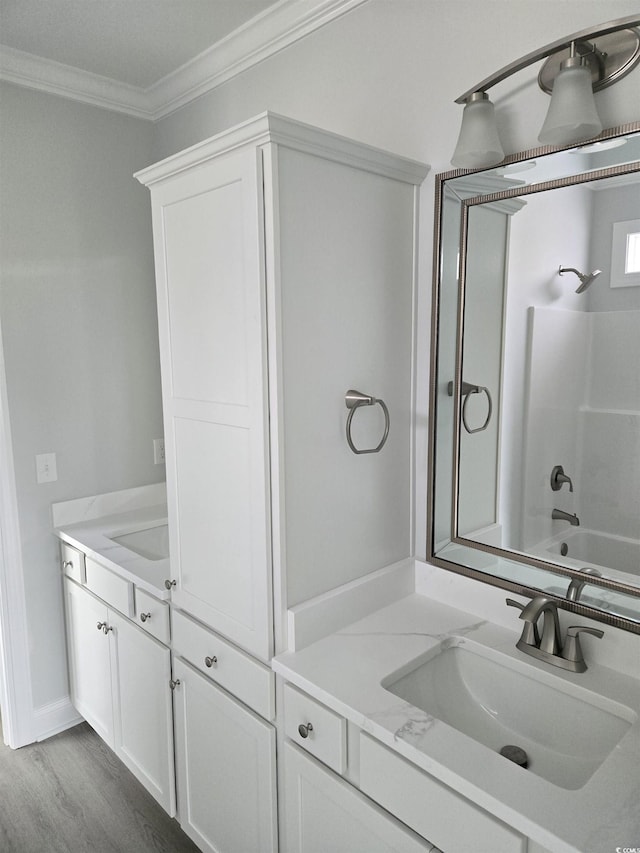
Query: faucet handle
{"x": 530, "y": 634}
{"x": 559, "y": 478}
{"x": 573, "y": 650}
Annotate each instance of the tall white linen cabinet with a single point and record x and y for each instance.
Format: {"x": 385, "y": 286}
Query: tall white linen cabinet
{"x": 285, "y": 266}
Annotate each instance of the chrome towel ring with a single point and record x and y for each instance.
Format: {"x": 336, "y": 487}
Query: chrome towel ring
{"x": 353, "y": 400}
{"x": 467, "y": 390}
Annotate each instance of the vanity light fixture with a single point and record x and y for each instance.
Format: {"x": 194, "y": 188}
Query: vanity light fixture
{"x": 576, "y": 66}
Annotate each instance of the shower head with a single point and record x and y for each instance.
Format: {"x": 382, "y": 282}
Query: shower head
{"x": 585, "y": 278}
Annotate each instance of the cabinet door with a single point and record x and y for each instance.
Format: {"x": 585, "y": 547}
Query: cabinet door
{"x": 211, "y": 307}
{"x": 324, "y": 814}
{"x": 143, "y": 728}
{"x": 225, "y": 757}
{"x": 89, "y": 665}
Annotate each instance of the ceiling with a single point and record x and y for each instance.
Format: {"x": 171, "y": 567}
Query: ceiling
{"x": 136, "y": 42}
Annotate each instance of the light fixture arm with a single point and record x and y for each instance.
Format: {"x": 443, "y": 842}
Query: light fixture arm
{"x": 579, "y": 37}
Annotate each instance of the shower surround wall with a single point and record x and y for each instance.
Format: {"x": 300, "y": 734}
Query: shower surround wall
{"x": 585, "y": 417}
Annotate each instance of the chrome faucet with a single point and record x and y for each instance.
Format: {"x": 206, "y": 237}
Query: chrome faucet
{"x": 561, "y": 515}
{"x": 547, "y": 646}
{"x": 577, "y": 584}
{"x": 550, "y": 640}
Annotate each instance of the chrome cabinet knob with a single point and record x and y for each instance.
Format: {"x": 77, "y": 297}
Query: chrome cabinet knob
{"x": 168, "y": 584}
{"x": 304, "y": 729}
{"x": 101, "y": 626}
{"x": 209, "y": 661}
{"x": 174, "y": 683}
{"x": 145, "y": 616}
{"x": 67, "y": 564}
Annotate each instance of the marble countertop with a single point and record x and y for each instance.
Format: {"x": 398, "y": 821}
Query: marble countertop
{"x": 344, "y": 671}
{"x": 94, "y": 537}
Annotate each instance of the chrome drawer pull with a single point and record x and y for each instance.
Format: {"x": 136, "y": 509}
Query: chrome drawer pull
{"x": 145, "y": 616}
{"x": 209, "y": 661}
{"x": 304, "y": 729}
{"x": 168, "y": 584}
{"x": 67, "y": 564}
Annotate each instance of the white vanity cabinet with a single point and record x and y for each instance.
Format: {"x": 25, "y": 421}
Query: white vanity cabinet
{"x": 325, "y": 814}
{"x": 226, "y": 768}
{"x": 211, "y": 307}
{"x": 285, "y": 264}
{"x": 143, "y": 718}
{"x": 285, "y": 269}
{"x": 225, "y": 742}
{"x": 119, "y": 681}
{"x": 89, "y": 659}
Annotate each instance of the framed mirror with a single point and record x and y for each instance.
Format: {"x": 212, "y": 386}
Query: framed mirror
{"x": 534, "y": 451}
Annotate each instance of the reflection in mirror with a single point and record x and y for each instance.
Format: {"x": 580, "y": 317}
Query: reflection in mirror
{"x": 535, "y": 474}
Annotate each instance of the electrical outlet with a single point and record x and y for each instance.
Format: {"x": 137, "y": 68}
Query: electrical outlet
{"x": 46, "y": 468}
{"x": 158, "y": 451}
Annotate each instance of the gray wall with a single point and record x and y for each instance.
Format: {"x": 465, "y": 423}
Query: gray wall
{"x": 77, "y": 305}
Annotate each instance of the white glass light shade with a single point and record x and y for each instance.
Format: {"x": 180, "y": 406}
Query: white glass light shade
{"x": 478, "y": 144}
{"x": 572, "y": 114}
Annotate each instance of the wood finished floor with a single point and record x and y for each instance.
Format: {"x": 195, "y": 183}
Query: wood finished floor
{"x": 70, "y": 794}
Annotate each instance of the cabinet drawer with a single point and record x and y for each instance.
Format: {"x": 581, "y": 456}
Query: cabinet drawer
{"x": 325, "y": 814}
{"x": 152, "y": 615}
{"x": 316, "y": 728}
{"x": 430, "y": 808}
{"x": 113, "y": 589}
{"x": 73, "y": 563}
{"x": 252, "y": 682}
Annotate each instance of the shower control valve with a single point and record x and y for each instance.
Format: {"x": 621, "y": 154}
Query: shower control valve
{"x": 559, "y": 478}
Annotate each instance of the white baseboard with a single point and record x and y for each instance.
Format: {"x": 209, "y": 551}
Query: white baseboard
{"x": 333, "y": 610}
{"x": 54, "y": 718}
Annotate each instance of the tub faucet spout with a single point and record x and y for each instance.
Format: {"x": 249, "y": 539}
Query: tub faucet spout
{"x": 561, "y": 515}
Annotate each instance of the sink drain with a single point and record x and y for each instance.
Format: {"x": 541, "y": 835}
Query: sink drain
{"x": 515, "y": 754}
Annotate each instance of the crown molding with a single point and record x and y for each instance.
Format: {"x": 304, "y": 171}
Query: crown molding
{"x": 55, "y": 78}
{"x": 263, "y": 36}
{"x": 271, "y": 127}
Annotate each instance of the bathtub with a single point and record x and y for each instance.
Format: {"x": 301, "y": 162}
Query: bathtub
{"x": 601, "y": 550}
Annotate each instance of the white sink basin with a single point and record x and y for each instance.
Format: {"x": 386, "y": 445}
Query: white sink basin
{"x": 565, "y": 730}
{"x": 150, "y": 542}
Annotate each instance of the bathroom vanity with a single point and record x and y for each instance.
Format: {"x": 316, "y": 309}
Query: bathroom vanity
{"x": 428, "y": 689}
{"x": 366, "y": 760}
{"x": 150, "y": 685}
{"x": 322, "y": 690}
{"x": 117, "y": 623}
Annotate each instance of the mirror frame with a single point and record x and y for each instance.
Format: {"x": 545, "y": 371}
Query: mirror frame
{"x": 516, "y": 558}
